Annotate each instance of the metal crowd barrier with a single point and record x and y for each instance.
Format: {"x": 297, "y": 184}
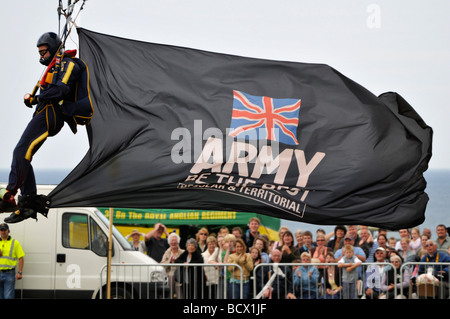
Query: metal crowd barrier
{"x": 369, "y": 275}
{"x": 275, "y": 281}
{"x": 176, "y": 281}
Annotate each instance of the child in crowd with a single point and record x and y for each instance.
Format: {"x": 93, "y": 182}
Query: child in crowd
{"x": 349, "y": 262}
{"x": 392, "y": 242}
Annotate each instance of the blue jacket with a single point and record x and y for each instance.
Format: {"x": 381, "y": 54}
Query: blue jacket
{"x": 437, "y": 257}
{"x": 306, "y": 282}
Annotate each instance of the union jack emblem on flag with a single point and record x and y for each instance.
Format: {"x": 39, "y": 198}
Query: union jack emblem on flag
{"x": 262, "y": 117}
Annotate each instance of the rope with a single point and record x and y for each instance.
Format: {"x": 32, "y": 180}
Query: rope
{"x": 69, "y": 21}
{"x": 67, "y": 13}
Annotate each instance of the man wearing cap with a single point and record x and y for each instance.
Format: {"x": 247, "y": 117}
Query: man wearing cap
{"x": 11, "y": 256}
{"x": 358, "y": 251}
{"x": 374, "y": 274}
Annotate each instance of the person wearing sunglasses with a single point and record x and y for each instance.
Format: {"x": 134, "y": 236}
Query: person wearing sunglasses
{"x": 440, "y": 272}
{"x": 435, "y": 256}
{"x": 63, "y": 92}
{"x": 201, "y": 237}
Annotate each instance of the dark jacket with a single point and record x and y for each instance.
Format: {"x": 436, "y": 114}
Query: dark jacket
{"x": 191, "y": 278}
{"x": 282, "y": 285}
{"x": 67, "y": 83}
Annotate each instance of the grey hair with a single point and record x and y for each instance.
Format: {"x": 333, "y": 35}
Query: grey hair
{"x": 191, "y": 241}
{"x": 173, "y": 235}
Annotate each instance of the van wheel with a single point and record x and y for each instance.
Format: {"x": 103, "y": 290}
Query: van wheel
{"x": 118, "y": 293}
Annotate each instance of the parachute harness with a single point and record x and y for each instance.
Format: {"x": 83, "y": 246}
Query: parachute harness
{"x": 67, "y": 13}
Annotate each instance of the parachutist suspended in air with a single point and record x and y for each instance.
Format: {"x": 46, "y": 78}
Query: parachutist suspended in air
{"x": 63, "y": 98}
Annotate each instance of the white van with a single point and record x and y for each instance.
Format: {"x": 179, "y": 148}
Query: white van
{"x": 66, "y": 257}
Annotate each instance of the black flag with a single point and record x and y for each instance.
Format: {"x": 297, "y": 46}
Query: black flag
{"x": 181, "y": 128}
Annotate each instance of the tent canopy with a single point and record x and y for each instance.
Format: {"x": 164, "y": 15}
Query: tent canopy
{"x": 177, "y": 217}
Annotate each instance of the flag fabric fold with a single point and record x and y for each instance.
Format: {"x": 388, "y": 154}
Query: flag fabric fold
{"x": 184, "y": 128}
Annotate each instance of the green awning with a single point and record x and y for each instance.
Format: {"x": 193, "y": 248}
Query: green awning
{"x": 177, "y": 217}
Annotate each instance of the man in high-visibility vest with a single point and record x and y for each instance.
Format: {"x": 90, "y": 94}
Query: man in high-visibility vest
{"x": 11, "y": 256}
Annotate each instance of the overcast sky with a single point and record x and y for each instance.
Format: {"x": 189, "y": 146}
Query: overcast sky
{"x": 400, "y": 46}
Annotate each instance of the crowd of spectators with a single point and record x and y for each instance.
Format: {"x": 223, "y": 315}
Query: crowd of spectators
{"x": 353, "y": 261}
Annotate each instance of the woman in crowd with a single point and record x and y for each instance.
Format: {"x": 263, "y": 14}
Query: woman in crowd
{"x": 416, "y": 241}
{"x": 255, "y": 253}
{"x": 338, "y": 240}
{"x": 298, "y": 234}
{"x": 332, "y": 278}
{"x": 287, "y": 248}
{"x": 257, "y": 259}
{"x": 320, "y": 252}
{"x": 422, "y": 251}
{"x": 406, "y": 253}
{"x": 382, "y": 241}
{"x": 191, "y": 278}
{"x": 244, "y": 260}
{"x": 281, "y": 232}
{"x": 394, "y": 284}
{"x": 259, "y": 273}
{"x": 136, "y": 243}
{"x": 262, "y": 244}
{"x": 201, "y": 237}
{"x": 172, "y": 253}
{"x": 227, "y": 247}
{"x": 306, "y": 278}
{"x": 211, "y": 256}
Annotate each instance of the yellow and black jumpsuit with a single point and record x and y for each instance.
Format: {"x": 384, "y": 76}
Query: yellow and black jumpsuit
{"x": 47, "y": 121}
